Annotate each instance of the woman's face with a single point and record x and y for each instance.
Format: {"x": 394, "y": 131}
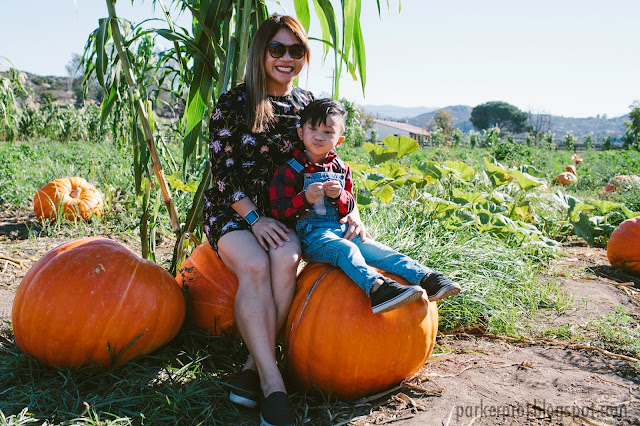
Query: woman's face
{"x": 281, "y": 71}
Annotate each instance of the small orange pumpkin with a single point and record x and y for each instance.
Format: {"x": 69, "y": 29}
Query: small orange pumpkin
{"x": 623, "y": 248}
{"x": 212, "y": 289}
{"x": 566, "y": 178}
{"x": 336, "y": 344}
{"x": 576, "y": 159}
{"x": 571, "y": 169}
{"x": 94, "y": 301}
{"x": 622, "y": 182}
{"x": 77, "y": 199}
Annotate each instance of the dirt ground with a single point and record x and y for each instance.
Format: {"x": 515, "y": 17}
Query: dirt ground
{"x": 482, "y": 380}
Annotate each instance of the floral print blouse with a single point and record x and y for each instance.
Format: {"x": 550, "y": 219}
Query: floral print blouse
{"x": 242, "y": 162}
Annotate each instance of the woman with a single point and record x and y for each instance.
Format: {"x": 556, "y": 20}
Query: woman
{"x": 253, "y": 131}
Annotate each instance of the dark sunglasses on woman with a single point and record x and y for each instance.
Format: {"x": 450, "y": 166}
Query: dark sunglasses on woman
{"x": 277, "y": 50}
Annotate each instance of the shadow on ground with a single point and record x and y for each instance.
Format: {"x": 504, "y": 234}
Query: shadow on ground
{"x": 617, "y": 275}
{"x": 15, "y": 224}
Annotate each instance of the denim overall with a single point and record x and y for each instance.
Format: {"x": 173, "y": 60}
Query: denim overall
{"x": 321, "y": 235}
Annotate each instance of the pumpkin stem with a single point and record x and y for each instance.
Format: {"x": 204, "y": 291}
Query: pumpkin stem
{"x": 76, "y": 192}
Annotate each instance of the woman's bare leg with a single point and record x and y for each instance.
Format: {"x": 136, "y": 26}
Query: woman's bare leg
{"x": 255, "y": 309}
{"x": 284, "y": 265}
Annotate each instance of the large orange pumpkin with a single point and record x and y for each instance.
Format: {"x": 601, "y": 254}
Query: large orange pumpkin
{"x": 74, "y": 196}
{"x": 92, "y": 300}
{"x": 623, "y": 248}
{"x": 212, "y": 289}
{"x": 336, "y": 344}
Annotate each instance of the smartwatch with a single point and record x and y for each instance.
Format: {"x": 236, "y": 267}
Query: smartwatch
{"x": 252, "y": 217}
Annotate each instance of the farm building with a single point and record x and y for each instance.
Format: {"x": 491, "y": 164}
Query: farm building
{"x": 386, "y": 128}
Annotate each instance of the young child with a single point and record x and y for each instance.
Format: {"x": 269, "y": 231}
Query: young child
{"x": 314, "y": 190}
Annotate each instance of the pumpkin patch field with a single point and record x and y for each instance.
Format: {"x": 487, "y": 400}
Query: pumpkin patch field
{"x": 546, "y": 328}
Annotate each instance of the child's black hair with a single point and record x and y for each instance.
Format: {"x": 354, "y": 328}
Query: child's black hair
{"x": 316, "y": 112}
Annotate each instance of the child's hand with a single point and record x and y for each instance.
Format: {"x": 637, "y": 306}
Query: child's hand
{"x": 332, "y": 188}
{"x": 314, "y": 192}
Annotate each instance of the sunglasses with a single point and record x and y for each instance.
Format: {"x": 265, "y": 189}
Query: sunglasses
{"x": 277, "y": 50}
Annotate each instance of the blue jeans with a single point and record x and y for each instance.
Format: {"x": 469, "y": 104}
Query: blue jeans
{"x": 322, "y": 241}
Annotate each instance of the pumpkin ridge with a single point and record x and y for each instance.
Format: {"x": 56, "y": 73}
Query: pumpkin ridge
{"x": 114, "y": 312}
{"x": 295, "y": 323}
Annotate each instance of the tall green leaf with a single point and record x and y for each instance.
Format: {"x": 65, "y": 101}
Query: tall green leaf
{"x": 302, "y": 13}
{"x": 102, "y": 36}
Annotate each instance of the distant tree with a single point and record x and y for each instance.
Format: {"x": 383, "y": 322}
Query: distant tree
{"x": 499, "y": 114}
{"x": 436, "y": 137}
{"x": 443, "y": 120}
{"x": 548, "y": 141}
{"x": 92, "y": 89}
{"x": 355, "y": 134}
{"x": 473, "y": 138}
{"x": 569, "y": 141}
{"x": 588, "y": 141}
{"x": 632, "y": 134}
{"x": 606, "y": 143}
{"x": 457, "y": 138}
{"x": 490, "y": 136}
{"x": 373, "y": 135}
{"x": 539, "y": 124}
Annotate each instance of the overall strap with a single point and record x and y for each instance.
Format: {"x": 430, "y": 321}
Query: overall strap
{"x": 341, "y": 164}
{"x": 295, "y": 165}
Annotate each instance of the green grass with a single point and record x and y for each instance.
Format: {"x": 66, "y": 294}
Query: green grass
{"x": 501, "y": 291}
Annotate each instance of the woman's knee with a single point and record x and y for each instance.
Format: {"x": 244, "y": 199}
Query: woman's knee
{"x": 286, "y": 256}
{"x": 256, "y": 269}
{"x": 245, "y": 258}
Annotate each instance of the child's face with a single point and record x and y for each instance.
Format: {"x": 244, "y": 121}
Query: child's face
{"x": 319, "y": 140}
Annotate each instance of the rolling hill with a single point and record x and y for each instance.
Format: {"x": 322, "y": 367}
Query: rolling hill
{"x": 600, "y": 126}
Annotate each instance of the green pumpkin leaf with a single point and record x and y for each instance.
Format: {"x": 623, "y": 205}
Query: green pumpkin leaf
{"x": 523, "y": 211}
{"x": 463, "y": 169}
{"x": 531, "y": 170}
{"x": 385, "y": 193}
{"x": 429, "y": 169}
{"x": 392, "y": 170}
{"x": 525, "y": 180}
{"x": 379, "y": 154}
{"x": 403, "y": 145}
{"x": 582, "y": 207}
{"x": 498, "y": 175}
{"x": 605, "y": 206}
{"x": 363, "y": 200}
{"x": 584, "y": 229}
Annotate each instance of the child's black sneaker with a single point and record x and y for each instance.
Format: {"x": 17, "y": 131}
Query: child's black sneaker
{"x": 438, "y": 286}
{"x": 391, "y": 295}
{"x": 246, "y": 388}
{"x": 275, "y": 410}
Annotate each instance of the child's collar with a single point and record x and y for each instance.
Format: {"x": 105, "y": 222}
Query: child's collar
{"x": 302, "y": 157}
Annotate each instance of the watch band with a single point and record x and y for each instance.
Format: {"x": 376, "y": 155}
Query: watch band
{"x": 252, "y": 217}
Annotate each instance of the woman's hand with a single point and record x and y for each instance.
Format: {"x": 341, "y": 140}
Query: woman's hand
{"x": 356, "y": 227}
{"x": 270, "y": 232}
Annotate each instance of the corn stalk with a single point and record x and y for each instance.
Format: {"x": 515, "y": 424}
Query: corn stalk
{"x": 144, "y": 119}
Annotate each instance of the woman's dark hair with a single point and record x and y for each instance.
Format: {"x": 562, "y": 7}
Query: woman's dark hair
{"x": 316, "y": 112}
{"x": 259, "y": 108}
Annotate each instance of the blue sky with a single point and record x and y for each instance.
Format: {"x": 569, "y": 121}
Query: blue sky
{"x": 565, "y": 57}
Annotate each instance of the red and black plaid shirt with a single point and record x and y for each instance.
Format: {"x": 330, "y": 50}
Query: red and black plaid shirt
{"x": 288, "y": 200}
